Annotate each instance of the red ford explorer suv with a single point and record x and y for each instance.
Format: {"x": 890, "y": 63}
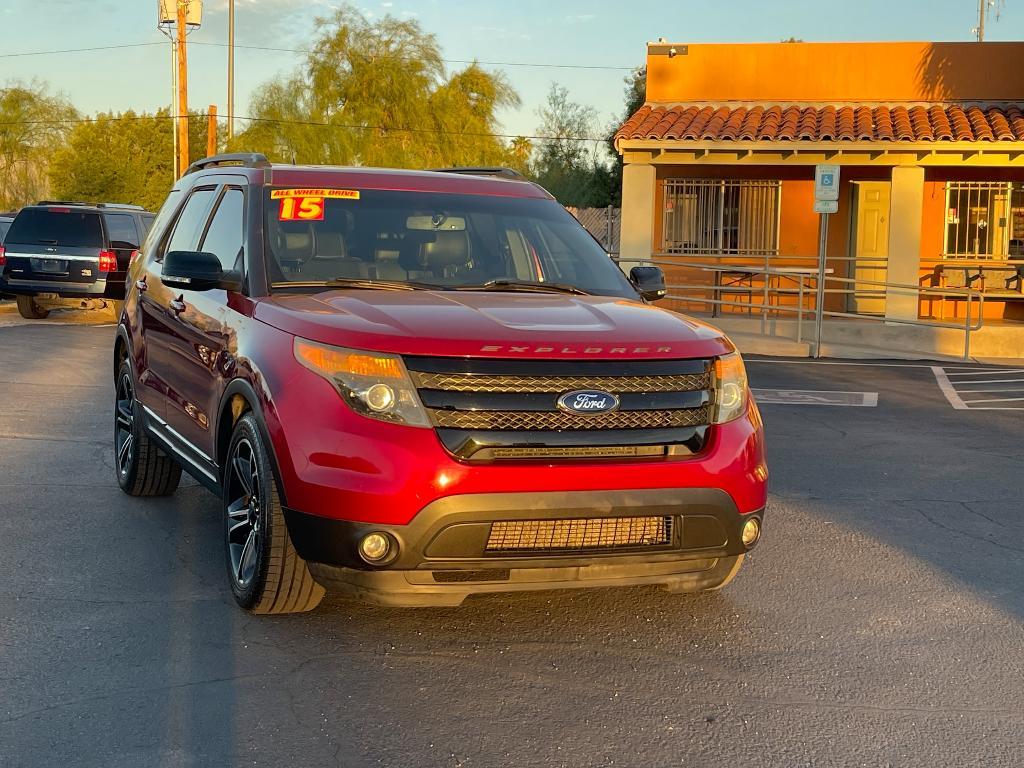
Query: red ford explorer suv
{"x": 412, "y": 387}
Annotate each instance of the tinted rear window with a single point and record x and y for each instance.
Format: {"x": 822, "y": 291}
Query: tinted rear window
{"x": 45, "y": 226}
{"x": 121, "y": 230}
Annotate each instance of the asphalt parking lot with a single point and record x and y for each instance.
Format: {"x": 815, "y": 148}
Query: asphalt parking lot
{"x": 880, "y": 623}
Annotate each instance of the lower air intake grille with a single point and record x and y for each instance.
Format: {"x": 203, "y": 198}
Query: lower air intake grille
{"x": 579, "y": 535}
{"x": 557, "y": 420}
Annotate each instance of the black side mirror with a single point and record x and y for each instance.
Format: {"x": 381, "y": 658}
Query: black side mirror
{"x": 649, "y": 282}
{"x": 197, "y": 271}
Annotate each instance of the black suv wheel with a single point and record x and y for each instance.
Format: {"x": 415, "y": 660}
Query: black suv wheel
{"x": 266, "y": 573}
{"x": 30, "y": 310}
{"x": 142, "y": 468}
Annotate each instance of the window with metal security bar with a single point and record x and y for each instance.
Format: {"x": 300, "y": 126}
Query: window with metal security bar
{"x": 984, "y": 220}
{"x": 728, "y": 217}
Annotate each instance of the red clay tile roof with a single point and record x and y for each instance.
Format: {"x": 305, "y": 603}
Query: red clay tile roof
{"x": 937, "y": 122}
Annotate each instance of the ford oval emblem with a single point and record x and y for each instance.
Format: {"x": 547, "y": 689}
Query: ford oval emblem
{"x": 588, "y": 401}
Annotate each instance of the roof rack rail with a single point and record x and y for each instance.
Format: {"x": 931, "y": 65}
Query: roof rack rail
{"x": 62, "y": 202}
{"x": 501, "y": 173}
{"x": 125, "y": 206}
{"x": 241, "y": 159}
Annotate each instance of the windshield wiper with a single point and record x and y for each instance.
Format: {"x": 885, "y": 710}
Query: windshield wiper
{"x": 528, "y": 286}
{"x": 379, "y": 285}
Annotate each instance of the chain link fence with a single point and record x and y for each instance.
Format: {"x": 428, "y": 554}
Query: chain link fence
{"x": 605, "y": 224}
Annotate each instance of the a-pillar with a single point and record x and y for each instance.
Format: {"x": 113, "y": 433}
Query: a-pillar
{"x": 905, "y": 208}
{"x": 637, "y": 237}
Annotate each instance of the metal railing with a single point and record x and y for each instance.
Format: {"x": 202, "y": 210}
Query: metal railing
{"x": 794, "y": 284}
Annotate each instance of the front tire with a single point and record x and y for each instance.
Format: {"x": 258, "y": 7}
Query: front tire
{"x": 265, "y": 572}
{"x": 30, "y": 310}
{"x": 142, "y": 468}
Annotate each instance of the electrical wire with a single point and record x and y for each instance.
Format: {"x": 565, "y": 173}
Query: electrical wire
{"x": 384, "y": 129}
{"x": 541, "y": 65}
{"x": 78, "y": 50}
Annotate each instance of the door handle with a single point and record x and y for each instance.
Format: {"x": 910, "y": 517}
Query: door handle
{"x": 141, "y": 284}
{"x": 177, "y": 305}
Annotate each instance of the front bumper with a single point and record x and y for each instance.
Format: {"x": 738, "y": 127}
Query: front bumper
{"x": 443, "y": 557}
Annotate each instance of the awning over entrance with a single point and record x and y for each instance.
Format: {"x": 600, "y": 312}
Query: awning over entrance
{"x": 776, "y": 122}
{"x": 871, "y": 134}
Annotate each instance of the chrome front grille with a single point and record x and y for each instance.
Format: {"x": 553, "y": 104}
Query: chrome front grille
{"x": 471, "y": 382}
{"x": 492, "y": 410}
{"x": 578, "y": 535}
{"x": 559, "y": 420}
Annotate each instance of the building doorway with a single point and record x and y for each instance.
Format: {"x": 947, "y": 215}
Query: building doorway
{"x": 869, "y": 243}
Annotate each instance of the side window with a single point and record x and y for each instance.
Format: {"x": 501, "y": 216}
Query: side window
{"x": 121, "y": 230}
{"x": 146, "y": 221}
{"x": 191, "y": 223}
{"x": 224, "y": 237}
{"x": 167, "y": 210}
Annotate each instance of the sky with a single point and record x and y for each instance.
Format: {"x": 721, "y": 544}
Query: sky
{"x": 600, "y": 39}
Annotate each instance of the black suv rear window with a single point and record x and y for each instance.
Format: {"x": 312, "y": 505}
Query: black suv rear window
{"x": 56, "y": 226}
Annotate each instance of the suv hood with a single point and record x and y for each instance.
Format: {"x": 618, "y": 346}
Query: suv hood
{"x": 492, "y": 324}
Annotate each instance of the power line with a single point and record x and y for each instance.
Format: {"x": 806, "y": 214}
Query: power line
{"x": 446, "y": 61}
{"x": 386, "y": 129}
{"x": 77, "y": 50}
{"x": 539, "y": 65}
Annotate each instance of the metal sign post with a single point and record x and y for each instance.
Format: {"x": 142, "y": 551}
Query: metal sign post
{"x": 826, "y": 202}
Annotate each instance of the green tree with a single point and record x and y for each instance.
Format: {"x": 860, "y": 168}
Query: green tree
{"x": 32, "y": 125}
{"x": 567, "y": 161}
{"x": 123, "y": 158}
{"x": 636, "y": 94}
{"x": 377, "y": 93}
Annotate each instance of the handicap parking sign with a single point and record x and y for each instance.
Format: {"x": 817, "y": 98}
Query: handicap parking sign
{"x": 826, "y": 182}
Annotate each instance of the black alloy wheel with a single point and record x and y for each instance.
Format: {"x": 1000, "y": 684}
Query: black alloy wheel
{"x": 142, "y": 468}
{"x": 124, "y": 424}
{"x": 244, "y": 513}
{"x": 266, "y": 573}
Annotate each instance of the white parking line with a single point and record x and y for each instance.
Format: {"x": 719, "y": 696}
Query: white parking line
{"x": 954, "y": 394}
{"x": 948, "y": 389}
{"x": 815, "y": 397}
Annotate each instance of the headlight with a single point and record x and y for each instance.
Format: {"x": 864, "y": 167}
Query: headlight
{"x": 374, "y": 384}
{"x": 731, "y": 391}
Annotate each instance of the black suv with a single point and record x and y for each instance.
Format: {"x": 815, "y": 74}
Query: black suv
{"x": 70, "y": 250}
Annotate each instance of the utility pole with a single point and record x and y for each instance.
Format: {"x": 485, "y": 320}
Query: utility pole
{"x": 982, "y": 13}
{"x": 231, "y": 69}
{"x": 182, "y": 88}
{"x": 211, "y": 131}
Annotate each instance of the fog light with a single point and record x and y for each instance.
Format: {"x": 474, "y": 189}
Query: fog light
{"x": 374, "y": 547}
{"x": 380, "y": 397}
{"x": 751, "y": 532}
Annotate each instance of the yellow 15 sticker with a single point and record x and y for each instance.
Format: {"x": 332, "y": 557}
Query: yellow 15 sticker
{"x": 301, "y": 209}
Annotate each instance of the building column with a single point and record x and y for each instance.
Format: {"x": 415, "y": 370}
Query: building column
{"x": 636, "y": 240}
{"x": 905, "y": 211}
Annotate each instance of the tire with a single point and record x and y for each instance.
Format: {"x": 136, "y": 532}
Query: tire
{"x": 30, "y": 310}
{"x": 142, "y": 468}
{"x": 266, "y": 574}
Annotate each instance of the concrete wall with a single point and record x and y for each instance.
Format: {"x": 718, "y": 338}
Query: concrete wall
{"x": 838, "y": 72}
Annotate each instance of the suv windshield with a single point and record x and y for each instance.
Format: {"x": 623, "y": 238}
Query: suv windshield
{"x": 432, "y": 240}
{"x": 56, "y": 226}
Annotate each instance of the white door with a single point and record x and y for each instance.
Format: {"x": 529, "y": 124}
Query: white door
{"x": 870, "y": 242}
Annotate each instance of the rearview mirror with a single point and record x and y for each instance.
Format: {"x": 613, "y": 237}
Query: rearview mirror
{"x": 649, "y": 282}
{"x": 197, "y": 271}
{"x": 439, "y": 222}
